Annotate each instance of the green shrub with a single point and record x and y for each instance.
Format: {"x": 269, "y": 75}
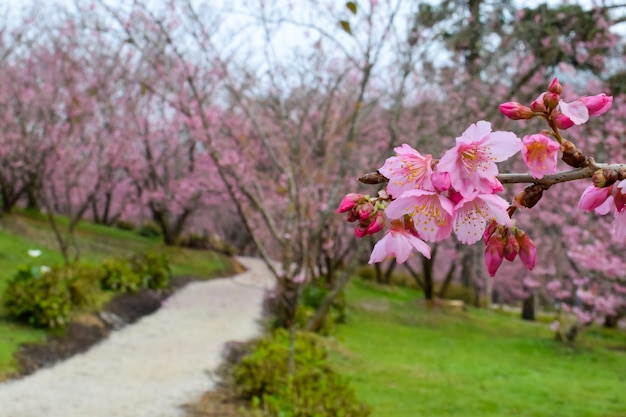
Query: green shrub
{"x": 149, "y": 230}
{"x": 43, "y": 299}
{"x": 314, "y": 389}
{"x": 153, "y": 269}
{"x": 207, "y": 242}
{"x": 313, "y": 294}
{"x": 117, "y": 275}
{"x": 125, "y": 225}
{"x": 83, "y": 282}
{"x": 140, "y": 271}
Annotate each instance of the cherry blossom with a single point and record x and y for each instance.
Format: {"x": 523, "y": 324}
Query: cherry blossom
{"x": 398, "y": 242}
{"x": 472, "y": 214}
{"x": 471, "y": 163}
{"x": 540, "y": 154}
{"x": 408, "y": 170}
{"x": 430, "y": 212}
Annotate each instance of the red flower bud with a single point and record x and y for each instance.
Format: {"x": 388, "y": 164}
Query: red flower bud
{"x": 555, "y": 87}
{"x": 598, "y": 104}
{"x": 563, "y": 122}
{"x": 537, "y": 105}
{"x": 551, "y": 100}
{"x": 527, "y": 249}
{"x": 494, "y": 253}
{"x": 516, "y": 111}
{"x": 511, "y": 247}
{"x": 349, "y": 201}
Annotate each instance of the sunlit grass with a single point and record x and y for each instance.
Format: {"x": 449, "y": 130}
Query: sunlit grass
{"x": 407, "y": 360}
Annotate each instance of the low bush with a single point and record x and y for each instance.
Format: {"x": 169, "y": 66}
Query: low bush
{"x": 118, "y": 276}
{"x": 312, "y": 296}
{"x": 140, "y": 271}
{"x": 207, "y": 242}
{"x": 153, "y": 270}
{"x": 38, "y": 297}
{"x": 149, "y": 230}
{"x": 125, "y": 225}
{"x": 313, "y": 390}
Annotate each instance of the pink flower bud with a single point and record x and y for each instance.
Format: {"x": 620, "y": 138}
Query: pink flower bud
{"x": 537, "y": 105}
{"x": 349, "y": 201}
{"x": 494, "y": 254}
{"x": 365, "y": 210}
{"x": 441, "y": 181}
{"x": 555, "y": 87}
{"x": 593, "y": 197}
{"x": 377, "y": 224}
{"x": 527, "y": 249}
{"x": 489, "y": 230}
{"x": 516, "y": 111}
{"x": 551, "y": 100}
{"x": 511, "y": 248}
{"x": 360, "y": 231}
{"x": 563, "y": 122}
{"x": 598, "y": 104}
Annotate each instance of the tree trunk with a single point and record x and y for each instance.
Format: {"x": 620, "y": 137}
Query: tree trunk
{"x": 315, "y": 322}
{"x": 611, "y": 321}
{"x": 528, "y": 307}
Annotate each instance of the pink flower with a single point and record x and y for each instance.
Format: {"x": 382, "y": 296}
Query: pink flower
{"x": 430, "y": 212}
{"x": 619, "y": 225}
{"x": 598, "y": 104}
{"x": 555, "y": 325}
{"x": 472, "y": 214}
{"x": 494, "y": 253}
{"x": 593, "y": 197}
{"x": 407, "y": 171}
{"x": 585, "y": 296}
{"x": 576, "y": 111}
{"x": 540, "y": 154}
{"x": 471, "y": 163}
{"x": 579, "y": 111}
{"x": 531, "y": 283}
{"x": 398, "y": 242}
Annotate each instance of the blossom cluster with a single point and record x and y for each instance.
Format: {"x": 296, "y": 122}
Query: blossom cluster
{"x": 428, "y": 199}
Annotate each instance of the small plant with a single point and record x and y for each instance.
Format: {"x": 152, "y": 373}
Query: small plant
{"x": 125, "y": 225}
{"x": 117, "y": 275}
{"x": 141, "y": 271}
{"x": 149, "y": 230}
{"x": 313, "y": 294}
{"x": 313, "y": 390}
{"x": 41, "y": 298}
{"x": 153, "y": 269}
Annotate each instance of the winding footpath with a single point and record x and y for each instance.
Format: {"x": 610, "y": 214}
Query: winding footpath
{"x": 155, "y": 366}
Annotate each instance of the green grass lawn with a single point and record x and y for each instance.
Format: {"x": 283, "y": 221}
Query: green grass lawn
{"x": 406, "y": 360}
{"x": 21, "y": 232}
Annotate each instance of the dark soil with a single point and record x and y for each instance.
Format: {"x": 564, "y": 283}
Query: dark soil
{"x": 86, "y": 331}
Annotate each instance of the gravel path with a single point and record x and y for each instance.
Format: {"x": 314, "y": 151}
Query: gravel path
{"x": 151, "y": 368}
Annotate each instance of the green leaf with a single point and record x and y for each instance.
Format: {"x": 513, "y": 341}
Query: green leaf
{"x": 351, "y": 5}
{"x": 345, "y": 25}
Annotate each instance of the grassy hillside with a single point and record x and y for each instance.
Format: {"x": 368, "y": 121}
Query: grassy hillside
{"x": 405, "y": 360}
{"x": 21, "y": 232}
